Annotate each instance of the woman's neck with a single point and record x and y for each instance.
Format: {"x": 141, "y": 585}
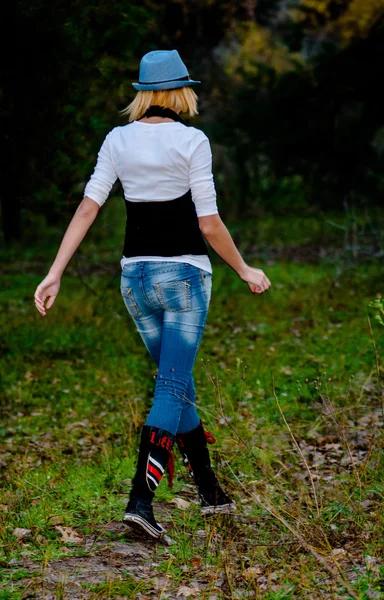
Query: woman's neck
{"x": 159, "y": 114}
{"x": 156, "y": 120}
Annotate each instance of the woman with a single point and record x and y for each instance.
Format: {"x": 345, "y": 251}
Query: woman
{"x": 165, "y": 169}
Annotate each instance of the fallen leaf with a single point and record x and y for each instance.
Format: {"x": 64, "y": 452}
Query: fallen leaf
{"x": 186, "y": 591}
{"x": 55, "y": 520}
{"x": 167, "y": 540}
{"x": 19, "y": 532}
{"x": 211, "y": 576}
{"x": 180, "y": 503}
{"x": 251, "y": 572}
{"x": 370, "y": 561}
{"x": 196, "y": 561}
{"x": 69, "y": 535}
{"x": 77, "y": 424}
{"x": 161, "y": 583}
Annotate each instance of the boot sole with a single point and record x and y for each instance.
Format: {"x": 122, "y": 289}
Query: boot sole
{"x": 223, "y": 508}
{"x": 139, "y": 524}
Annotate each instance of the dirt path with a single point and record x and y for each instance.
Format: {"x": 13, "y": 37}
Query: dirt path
{"x": 112, "y": 553}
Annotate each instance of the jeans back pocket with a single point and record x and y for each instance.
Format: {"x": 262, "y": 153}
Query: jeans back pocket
{"x": 130, "y": 303}
{"x": 174, "y": 296}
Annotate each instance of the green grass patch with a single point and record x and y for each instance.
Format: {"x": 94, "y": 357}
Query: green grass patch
{"x": 290, "y": 383}
{"x": 115, "y": 589}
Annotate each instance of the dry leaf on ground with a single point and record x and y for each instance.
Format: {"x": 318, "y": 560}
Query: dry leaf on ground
{"x": 69, "y": 535}
{"x": 56, "y": 520}
{"x": 252, "y": 572}
{"x": 196, "y": 561}
{"x": 19, "y": 532}
{"x": 186, "y": 591}
{"x": 180, "y": 503}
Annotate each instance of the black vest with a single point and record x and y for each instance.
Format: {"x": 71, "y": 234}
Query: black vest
{"x": 167, "y": 228}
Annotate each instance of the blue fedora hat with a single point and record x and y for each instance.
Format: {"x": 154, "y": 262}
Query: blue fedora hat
{"x": 162, "y": 70}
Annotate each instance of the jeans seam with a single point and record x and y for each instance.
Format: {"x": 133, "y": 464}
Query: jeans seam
{"x": 202, "y": 276}
{"x": 146, "y": 295}
{"x": 163, "y": 271}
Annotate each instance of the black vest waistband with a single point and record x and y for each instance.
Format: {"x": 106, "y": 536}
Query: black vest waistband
{"x": 163, "y": 228}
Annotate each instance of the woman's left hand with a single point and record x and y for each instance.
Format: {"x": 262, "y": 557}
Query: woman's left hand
{"x": 48, "y": 289}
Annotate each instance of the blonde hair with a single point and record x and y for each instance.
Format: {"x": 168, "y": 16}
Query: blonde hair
{"x": 181, "y": 99}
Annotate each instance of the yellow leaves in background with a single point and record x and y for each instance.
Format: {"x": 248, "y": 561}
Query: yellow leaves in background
{"x": 354, "y": 20}
{"x": 253, "y": 50}
{"x": 359, "y": 17}
{"x": 257, "y": 46}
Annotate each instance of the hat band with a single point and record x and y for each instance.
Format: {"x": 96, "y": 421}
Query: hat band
{"x": 186, "y": 78}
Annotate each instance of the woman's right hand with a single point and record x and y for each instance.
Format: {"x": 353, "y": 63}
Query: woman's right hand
{"x": 48, "y": 289}
{"x": 256, "y": 278}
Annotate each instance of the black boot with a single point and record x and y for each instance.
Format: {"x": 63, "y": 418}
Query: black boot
{"x": 193, "y": 447}
{"x": 155, "y": 449}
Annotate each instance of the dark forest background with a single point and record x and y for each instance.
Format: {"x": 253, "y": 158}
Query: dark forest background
{"x": 291, "y": 98}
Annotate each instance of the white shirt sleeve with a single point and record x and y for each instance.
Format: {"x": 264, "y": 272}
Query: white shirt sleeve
{"x": 201, "y": 178}
{"x": 104, "y": 175}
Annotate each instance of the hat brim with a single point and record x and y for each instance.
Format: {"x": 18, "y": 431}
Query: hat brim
{"x": 169, "y": 85}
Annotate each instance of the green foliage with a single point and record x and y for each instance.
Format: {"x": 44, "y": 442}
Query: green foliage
{"x": 116, "y": 589}
{"x": 289, "y": 98}
{"x": 378, "y": 303}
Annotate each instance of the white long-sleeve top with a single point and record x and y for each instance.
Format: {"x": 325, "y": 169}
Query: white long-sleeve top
{"x": 157, "y": 162}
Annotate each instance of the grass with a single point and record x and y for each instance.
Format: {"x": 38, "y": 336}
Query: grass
{"x": 290, "y": 383}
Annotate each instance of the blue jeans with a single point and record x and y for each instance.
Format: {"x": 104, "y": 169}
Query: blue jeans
{"x": 168, "y": 302}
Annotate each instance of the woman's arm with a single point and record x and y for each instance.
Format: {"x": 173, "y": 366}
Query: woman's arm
{"x": 95, "y": 194}
{"x": 77, "y": 229}
{"x": 218, "y": 236}
{"x": 211, "y": 225}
